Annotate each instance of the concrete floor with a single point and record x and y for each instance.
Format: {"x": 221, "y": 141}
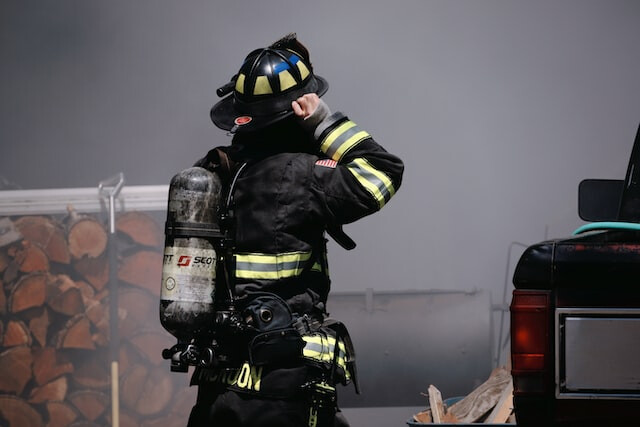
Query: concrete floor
{"x": 380, "y": 417}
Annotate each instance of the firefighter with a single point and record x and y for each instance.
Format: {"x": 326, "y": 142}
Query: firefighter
{"x": 293, "y": 173}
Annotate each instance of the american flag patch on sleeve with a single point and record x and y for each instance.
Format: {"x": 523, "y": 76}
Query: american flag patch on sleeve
{"x": 327, "y": 163}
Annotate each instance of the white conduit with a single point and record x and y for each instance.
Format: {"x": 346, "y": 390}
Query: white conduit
{"x": 56, "y": 201}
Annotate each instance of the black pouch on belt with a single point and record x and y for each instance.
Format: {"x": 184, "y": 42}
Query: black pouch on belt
{"x": 276, "y": 340}
{"x": 350, "y": 358}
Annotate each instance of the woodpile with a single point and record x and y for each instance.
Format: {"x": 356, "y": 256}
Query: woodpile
{"x": 490, "y": 403}
{"x": 54, "y": 324}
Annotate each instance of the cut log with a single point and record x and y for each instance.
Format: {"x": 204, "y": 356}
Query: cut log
{"x": 92, "y": 372}
{"x": 55, "y": 390}
{"x": 18, "y": 413}
{"x": 88, "y": 293}
{"x": 140, "y": 228}
{"x": 136, "y": 309}
{"x": 184, "y": 400}
{"x": 29, "y": 291}
{"x": 150, "y": 344}
{"x": 4, "y": 260}
{"x": 90, "y": 403}
{"x": 94, "y": 270}
{"x": 13, "y": 249}
{"x": 98, "y": 314}
{"x": 60, "y": 414}
{"x": 15, "y": 369}
{"x": 86, "y": 236}
{"x": 128, "y": 356}
{"x": 47, "y": 234}
{"x": 436, "y": 405}
{"x": 503, "y": 409}
{"x": 168, "y": 420}
{"x": 482, "y": 399}
{"x": 76, "y": 334}
{"x": 10, "y": 274}
{"x": 49, "y": 364}
{"x": 146, "y": 391}
{"x": 39, "y": 326}
{"x": 128, "y": 419}
{"x": 64, "y": 297}
{"x": 16, "y": 334}
{"x": 144, "y": 269}
{"x": 132, "y": 385}
{"x": 3, "y": 300}
{"x": 31, "y": 257}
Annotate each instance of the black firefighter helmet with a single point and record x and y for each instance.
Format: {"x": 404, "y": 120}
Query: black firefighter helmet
{"x": 268, "y": 81}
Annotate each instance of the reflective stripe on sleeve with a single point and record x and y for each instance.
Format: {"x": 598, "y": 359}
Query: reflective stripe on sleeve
{"x": 375, "y": 182}
{"x": 342, "y": 139}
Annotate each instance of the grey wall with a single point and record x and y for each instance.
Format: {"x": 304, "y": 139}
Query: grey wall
{"x": 499, "y": 108}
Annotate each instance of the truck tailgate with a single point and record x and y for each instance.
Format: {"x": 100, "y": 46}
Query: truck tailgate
{"x": 598, "y": 353}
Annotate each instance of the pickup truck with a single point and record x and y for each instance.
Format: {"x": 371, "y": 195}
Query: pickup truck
{"x": 575, "y": 314}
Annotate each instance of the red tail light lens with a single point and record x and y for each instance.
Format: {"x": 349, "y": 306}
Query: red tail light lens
{"x": 530, "y": 314}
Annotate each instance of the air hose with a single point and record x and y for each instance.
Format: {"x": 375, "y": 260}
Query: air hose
{"x": 609, "y": 225}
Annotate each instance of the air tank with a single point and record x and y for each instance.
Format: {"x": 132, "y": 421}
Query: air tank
{"x": 189, "y": 267}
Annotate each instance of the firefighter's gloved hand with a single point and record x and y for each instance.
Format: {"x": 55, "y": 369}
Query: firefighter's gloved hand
{"x": 311, "y": 110}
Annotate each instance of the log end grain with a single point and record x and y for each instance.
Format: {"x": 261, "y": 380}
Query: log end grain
{"x": 140, "y": 228}
{"x": 29, "y": 291}
{"x": 18, "y": 412}
{"x": 15, "y": 369}
{"x": 87, "y": 238}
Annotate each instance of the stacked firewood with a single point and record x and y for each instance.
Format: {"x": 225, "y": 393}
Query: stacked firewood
{"x": 490, "y": 403}
{"x": 54, "y": 324}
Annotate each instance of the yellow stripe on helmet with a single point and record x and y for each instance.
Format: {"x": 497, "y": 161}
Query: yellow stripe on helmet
{"x": 304, "y": 71}
{"x": 286, "y": 80}
{"x": 262, "y": 86}
{"x": 240, "y": 83}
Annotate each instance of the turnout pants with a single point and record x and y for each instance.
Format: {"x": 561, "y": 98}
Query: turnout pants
{"x": 287, "y": 380}
{"x": 231, "y": 408}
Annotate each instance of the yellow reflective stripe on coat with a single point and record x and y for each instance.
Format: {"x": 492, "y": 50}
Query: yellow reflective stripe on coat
{"x": 342, "y": 139}
{"x": 273, "y": 266}
{"x": 375, "y": 182}
{"x": 320, "y": 347}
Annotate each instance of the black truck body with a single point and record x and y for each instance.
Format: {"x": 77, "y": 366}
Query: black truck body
{"x": 575, "y": 315}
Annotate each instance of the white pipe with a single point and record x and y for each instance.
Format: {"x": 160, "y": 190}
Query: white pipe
{"x": 56, "y": 201}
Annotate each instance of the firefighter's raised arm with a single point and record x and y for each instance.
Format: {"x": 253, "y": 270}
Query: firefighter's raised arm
{"x": 364, "y": 175}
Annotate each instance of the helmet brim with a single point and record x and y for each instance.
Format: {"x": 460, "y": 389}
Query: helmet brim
{"x": 227, "y": 116}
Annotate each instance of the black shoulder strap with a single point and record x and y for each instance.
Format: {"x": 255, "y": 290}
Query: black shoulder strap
{"x": 217, "y": 160}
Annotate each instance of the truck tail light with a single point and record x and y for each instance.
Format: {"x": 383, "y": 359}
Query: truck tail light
{"x": 530, "y": 344}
